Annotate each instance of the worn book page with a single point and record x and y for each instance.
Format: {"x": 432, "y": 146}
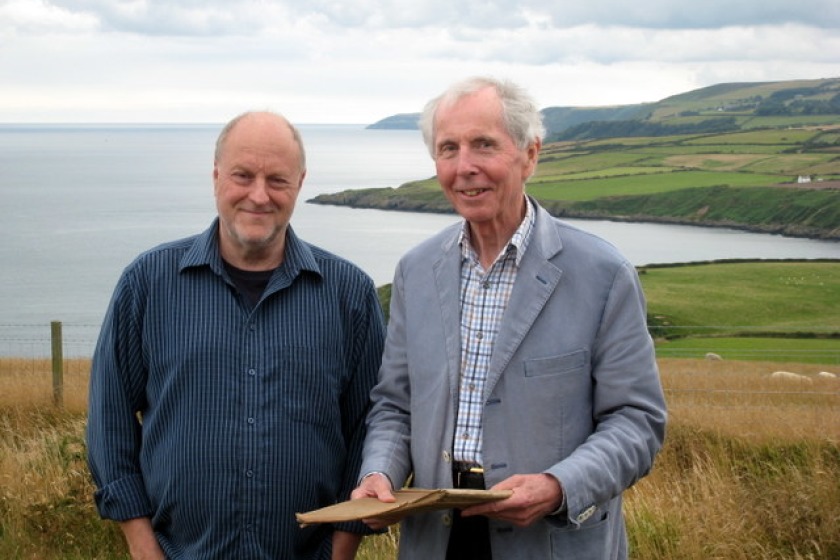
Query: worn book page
{"x": 411, "y": 500}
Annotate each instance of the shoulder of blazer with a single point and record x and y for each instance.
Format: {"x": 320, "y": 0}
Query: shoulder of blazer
{"x": 441, "y": 243}
{"x": 554, "y": 237}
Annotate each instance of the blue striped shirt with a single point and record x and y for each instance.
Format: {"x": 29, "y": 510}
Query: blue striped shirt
{"x": 484, "y": 298}
{"x": 221, "y": 420}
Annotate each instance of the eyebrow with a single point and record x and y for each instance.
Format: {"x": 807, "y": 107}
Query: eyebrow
{"x": 484, "y": 138}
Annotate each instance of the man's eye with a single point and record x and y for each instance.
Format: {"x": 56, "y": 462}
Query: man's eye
{"x": 446, "y": 150}
{"x": 278, "y": 183}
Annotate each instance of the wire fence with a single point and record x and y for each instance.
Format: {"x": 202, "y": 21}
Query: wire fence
{"x": 61, "y": 352}
{"x": 816, "y": 344}
{"x": 34, "y": 340}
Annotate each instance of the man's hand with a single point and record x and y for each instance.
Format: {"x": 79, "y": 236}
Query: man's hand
{"x": 142, "y": 543}
{"x": 376, "y": 486}
{"x": 345, "y": 545}
{"x": 534, "y": 497}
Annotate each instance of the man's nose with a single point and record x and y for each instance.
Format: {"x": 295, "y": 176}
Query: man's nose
{"x": 259, "y": 192}
{"x": 467, "y": 162}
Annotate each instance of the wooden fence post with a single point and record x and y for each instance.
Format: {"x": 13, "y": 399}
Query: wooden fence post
{"x": 57, "y": 363}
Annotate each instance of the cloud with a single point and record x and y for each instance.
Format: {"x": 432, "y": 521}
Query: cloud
{"x": 624, "y": 44}
{"x": 645, "y": 14}
{"x": 223, "y": 17}
{"x": 26, "y": 16}
{"x": 179, "y": 17}
{"x": 687, "y": 14}
{"x": 361, "y": 60}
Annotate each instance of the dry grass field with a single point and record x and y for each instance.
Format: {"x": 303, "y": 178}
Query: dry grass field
{"x": 750, "y": 469}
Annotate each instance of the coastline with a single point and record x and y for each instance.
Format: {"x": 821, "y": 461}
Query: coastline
{"x": 358, "y": 199}
{"x": 794, "y": 230}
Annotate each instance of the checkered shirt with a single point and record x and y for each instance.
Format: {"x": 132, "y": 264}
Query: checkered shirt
{"x": 484, "y": 296}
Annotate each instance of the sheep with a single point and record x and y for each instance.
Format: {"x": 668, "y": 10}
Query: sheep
{"x": 790, "y": 375}
{"x": 827, "y": 375}
{"x": 713, "y": 356}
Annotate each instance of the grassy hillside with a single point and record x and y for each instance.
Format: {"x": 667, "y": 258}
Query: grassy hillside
{"x": 731, "y": 106}
{"x": 727, "y": 155}
{"x": 742, "y": 179}
{"x": 717, "y": 108}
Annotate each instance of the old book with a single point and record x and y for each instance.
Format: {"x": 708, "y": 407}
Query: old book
{"x": 409, "y": 501}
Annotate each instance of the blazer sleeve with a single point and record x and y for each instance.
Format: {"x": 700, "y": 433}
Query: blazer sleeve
{"x": 387, "y": 445}
{"x": 628, "y": 405}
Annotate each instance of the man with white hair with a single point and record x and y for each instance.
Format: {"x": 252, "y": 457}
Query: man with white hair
{"x": 517, "y": 357}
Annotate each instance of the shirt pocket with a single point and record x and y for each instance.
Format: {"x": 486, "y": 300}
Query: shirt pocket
{"x": 311, "y": 381}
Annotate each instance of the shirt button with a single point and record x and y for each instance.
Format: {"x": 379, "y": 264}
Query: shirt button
{"x": 479, "y": 335}
{"x": 447, "y": 519}
{"x": 465, "y": 435}
{"x": 486, "y": 285}
{"x": 249, "y": 473}
{"x": 446, "y": 457}
{"x": 251, "y": 420}
{"x": 252, "y": 372}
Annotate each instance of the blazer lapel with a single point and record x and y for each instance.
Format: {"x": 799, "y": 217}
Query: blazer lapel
{"x": 447, "y": 274}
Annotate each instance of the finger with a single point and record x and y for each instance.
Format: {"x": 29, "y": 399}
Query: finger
{"x": 492, "y": 509}
{"x": 383, "y": 494}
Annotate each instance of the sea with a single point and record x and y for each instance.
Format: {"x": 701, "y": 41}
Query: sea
{"x": 81, "y": 201}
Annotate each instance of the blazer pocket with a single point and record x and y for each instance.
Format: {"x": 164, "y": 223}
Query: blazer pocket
{"x": 592, "y": 541}
{"x": 557, "y": 365}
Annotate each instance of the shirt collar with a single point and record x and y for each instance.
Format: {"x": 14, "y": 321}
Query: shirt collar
{"x": 205, "y": 252}
{"x": 518, "y": 241}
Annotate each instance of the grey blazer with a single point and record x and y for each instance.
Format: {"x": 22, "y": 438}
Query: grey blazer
{"x": 573, "y": 390}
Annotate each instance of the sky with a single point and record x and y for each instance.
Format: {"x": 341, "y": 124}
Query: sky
{"x": 358, "y": 61}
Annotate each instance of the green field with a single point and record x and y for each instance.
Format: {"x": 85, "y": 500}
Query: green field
{"x": 777, "y": 296}
{"x": 782, "y": 311}
{"x": 783, "y": 137}
{"x": 778, "y": 311}
{"x": 824, "y": 351}
{"x": 661, "y": 181}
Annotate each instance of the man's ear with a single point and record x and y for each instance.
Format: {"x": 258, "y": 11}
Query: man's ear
{"x": 532, "y": 154}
